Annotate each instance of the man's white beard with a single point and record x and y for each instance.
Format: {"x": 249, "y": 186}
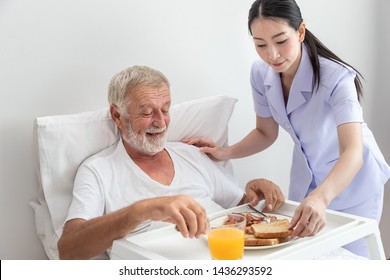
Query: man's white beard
{"x": 144, "y": 144}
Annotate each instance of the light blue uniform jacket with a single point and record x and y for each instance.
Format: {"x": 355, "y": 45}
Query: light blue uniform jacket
{"x": 311, "y": 119}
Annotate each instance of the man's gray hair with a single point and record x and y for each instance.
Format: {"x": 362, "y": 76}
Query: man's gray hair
{"x": 124, "y": 83}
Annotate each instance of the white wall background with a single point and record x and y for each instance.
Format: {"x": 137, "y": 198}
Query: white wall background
{"x": 57, "y": 57}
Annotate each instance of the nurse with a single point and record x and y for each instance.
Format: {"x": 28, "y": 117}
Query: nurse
{"x": 300, "y": 85}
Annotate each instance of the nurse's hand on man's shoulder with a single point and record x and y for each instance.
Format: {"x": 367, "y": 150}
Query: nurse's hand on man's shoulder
{"x": 208, "y": 147}
{"x": 200, "y": 142}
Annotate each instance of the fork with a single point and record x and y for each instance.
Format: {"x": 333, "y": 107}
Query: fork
{"x": 266, "y": 218}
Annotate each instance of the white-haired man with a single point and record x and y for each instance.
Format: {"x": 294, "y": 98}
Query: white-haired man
{"x": 143, "y": 178}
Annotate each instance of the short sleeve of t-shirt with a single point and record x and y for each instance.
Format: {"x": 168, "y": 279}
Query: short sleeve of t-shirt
{"x": 222, "y": 187}
{"x": 88, "y": 198}
{"x": 226, "y": 189}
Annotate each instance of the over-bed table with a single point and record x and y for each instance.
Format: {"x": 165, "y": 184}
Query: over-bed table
{"x": 167, "y": 242}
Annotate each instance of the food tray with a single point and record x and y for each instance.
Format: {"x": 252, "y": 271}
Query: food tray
{"x": 168, "y": 243}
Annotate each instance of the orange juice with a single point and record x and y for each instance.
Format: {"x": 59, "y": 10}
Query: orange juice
{"x": 226, "y": 243}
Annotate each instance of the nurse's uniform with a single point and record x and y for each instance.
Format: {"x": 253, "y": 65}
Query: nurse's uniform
{"x": 311, "y": 119}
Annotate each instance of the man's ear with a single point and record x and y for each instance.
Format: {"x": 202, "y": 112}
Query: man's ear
{"x": 116, "y": 116}
{"x": 302, "y": 31}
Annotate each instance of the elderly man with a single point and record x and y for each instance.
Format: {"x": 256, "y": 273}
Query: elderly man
{"x": 143, "y": 178}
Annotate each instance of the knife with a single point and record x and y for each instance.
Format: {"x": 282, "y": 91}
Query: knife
{"x": 266, "y": 218}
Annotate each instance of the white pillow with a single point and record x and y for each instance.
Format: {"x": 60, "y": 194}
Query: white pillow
{"x": 63, "y": 142}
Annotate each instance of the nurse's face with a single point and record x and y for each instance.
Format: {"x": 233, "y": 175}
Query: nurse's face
{"x": 278, "y": 44}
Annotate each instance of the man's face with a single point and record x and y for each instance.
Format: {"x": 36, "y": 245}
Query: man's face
{"x": 145, "y": 127}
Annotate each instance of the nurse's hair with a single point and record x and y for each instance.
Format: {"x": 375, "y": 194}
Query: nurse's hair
{"x": 289, "y": 11}
{"x": 123, "y": 84}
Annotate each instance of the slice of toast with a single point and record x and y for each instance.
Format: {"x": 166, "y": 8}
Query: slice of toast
{"x": 276, "y": 229}
{"x": 251, "y": 240}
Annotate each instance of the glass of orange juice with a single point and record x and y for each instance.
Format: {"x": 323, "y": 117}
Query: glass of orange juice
{"x": 226, "y": 237}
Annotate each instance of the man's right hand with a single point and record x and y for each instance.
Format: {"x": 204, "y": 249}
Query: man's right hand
{"x": 188, "y": 215}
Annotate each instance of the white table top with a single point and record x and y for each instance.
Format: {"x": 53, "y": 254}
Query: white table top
{"x": 167, "y": 242}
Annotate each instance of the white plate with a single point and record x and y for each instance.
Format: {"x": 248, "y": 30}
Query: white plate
{"x": 220, "y": 220}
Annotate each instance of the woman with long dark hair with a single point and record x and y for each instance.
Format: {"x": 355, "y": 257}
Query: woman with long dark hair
{"x": 303, "y": 87}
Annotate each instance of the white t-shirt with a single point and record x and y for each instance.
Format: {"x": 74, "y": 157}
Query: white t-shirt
{"x": 110, "y": 180}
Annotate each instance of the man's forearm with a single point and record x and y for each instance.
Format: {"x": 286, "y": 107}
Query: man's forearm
{"x": 83, "y": 239}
